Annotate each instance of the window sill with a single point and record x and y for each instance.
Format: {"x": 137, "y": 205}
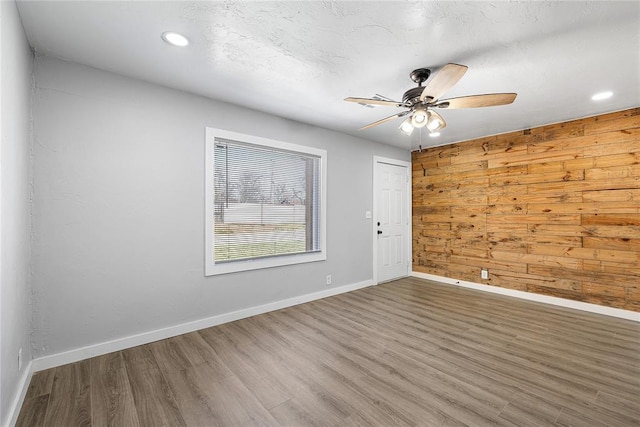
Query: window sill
{"x": 213, "y": 269}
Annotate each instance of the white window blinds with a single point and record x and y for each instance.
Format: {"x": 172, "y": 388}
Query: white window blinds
{"x": 266, "y": 201}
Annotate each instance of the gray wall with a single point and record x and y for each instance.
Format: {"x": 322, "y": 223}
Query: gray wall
{"x": 15, "y": 310}
{"x": 119, "y": 208}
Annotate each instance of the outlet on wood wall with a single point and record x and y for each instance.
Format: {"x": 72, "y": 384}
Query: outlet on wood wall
{"x": 553, "y": 210}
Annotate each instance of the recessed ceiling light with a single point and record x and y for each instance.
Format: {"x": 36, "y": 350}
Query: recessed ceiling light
{"x": 175, "y": 39}
{"x": 602, "y": 95}
{"x": 434, "y": 134}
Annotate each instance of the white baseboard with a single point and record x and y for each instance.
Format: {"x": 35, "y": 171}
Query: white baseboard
{"x": 82, "y": 353}
{"x": 562, "y": 302}
{"x": 18, "y": 399}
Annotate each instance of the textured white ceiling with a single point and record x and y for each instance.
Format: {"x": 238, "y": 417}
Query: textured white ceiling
{"x": 299, "y": 60}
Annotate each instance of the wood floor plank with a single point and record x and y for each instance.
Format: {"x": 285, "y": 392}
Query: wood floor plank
{"x": 112, "y": 401}
{"x": 291, "y": 413}
{"x": 592, "y": 415}
{"x": 140, "y": 353}
{"x": 41, "y": 383}
{"x": 70, "y": 399}
{"x": 228, "y": 399}
{"x": 257, "y": 371}
{"x": 372, "y": 416}
{"x": 154, "y": 401}
{"x": 182, "y": 352}
{"x": 409, "y": 352}
{"x": 525, "y": 409}
{"x": 192, "y": 401}
{"x": 627, "y": 406}
{"x": 33, "y": 412}
{"x": 312, "y": 403}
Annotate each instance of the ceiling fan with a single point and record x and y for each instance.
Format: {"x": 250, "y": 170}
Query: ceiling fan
{"x": 421, "y": 102}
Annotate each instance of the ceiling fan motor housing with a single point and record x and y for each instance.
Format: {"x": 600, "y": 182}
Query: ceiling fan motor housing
{"x": 412, "y": 96}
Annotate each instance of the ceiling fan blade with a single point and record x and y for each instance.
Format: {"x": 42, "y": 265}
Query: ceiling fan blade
{"x": 378, "y": 96}
{"x": 386, "y": 119}
{"x": 443, "y": 81}
{"x": 374, "y": 101}
{"x": 474, "y": 101}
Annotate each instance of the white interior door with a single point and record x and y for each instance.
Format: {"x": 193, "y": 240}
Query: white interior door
{"x": 391, "y": 220}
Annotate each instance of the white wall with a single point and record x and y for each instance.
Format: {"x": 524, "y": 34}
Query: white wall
{"x": 119, "y": 208}
{"x": 15, "y": 310}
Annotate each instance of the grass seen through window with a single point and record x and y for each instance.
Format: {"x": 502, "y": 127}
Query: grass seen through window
{"x": 256, "y": 240}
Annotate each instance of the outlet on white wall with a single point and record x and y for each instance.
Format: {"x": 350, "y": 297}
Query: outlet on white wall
{"x": 328, "y": 279}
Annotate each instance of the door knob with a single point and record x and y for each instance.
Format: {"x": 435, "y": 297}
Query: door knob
{"x": 379, "y": 231}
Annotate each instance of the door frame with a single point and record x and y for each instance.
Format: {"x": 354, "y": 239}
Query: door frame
{"x": 374, "y": 223}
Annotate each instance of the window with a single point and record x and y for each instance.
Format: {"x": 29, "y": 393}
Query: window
{"x": 265, "y": 203}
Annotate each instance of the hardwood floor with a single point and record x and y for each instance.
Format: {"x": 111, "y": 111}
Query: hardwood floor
{"x": 408, "y": 352}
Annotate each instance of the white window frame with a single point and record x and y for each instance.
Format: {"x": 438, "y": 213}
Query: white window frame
{"x": 213, "y": 268}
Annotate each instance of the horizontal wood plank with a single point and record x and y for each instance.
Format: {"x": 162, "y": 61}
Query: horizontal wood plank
{"x": 622, "y": 123}
{"x": 611, "y": 255}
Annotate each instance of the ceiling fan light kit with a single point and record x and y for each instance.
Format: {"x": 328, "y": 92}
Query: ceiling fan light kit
{"x": 406, "y": 126}
{"x": 420, "y": 101}
{"x": 419, "y": 117}
{"x": 436, "y": 122}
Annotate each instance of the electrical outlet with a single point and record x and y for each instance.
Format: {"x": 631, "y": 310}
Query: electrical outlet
{"x": 20, "y": 360}
{"x": 484, "y": 274}
{"x": 328, "y": 279}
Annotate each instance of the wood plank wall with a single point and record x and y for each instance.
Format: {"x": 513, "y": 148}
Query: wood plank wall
{"x": 553, "y": 210}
